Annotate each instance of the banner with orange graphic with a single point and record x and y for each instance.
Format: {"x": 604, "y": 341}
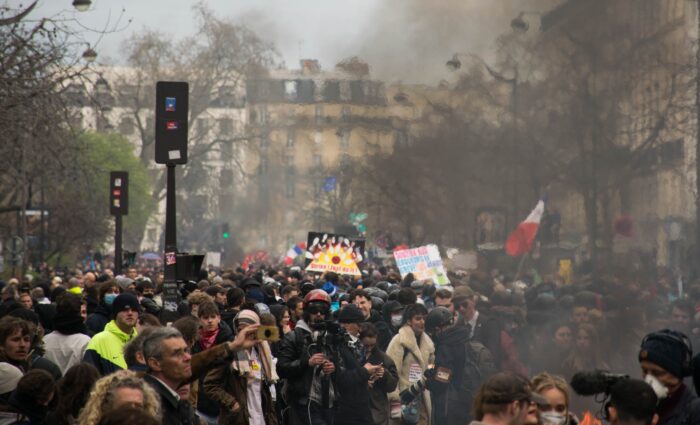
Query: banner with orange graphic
{"x": 328, "y": 252}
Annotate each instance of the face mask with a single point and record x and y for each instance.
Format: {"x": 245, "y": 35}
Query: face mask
{"x": 659, "y": 388}
{"x": 109, "y": 298}
{"x": 148, "y": 296}
{"x": 553, "y": 418}
{"x": 396, "y": 320}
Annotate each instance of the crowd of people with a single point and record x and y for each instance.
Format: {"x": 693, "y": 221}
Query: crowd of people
{"x": 278, "y": 345}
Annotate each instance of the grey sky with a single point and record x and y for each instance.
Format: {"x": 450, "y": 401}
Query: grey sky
{"x": 401, "y": 39}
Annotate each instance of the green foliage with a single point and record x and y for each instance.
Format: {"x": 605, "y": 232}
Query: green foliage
{"x": 112, "y": 152}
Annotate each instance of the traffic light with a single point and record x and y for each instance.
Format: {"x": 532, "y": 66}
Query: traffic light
{"x": 171, "y": 122}
{"x": 119, "y": 193}
{"x": 224, "y": 231}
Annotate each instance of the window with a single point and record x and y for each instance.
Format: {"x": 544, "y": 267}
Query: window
{"x": 290, "y": 139}
{"x": 226, "y": 126}
{"x": 290, "y": 90}
{"x": 202, "y": 125}
{"x": 344, "y": 139}
{"x": 262, "y": 112}
{"x": 289, "y": 187}
{"x": 262, "y": 167}
{"x": 264, "y": 141}
{"x": 319, "y": 114}
{"x": 345, "y": 113}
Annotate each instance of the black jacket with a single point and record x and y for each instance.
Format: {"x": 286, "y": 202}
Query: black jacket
{"x": 449, "y": 397}
{"x": 293, "y": 364}
{"x": 682, "y": 408}
{"x": 378, "y": 400}
{"x": 173, "y": 411}
{"x": 98, "y": 320}
{"x": 205, "y": 404}
{"x": 353, "y": 404}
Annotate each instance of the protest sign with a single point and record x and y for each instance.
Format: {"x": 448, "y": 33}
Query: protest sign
{"x": 329, "y": 252}
{"x": 424, "y": 262}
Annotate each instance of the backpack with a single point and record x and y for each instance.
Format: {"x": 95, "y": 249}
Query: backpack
{"x": 478, "y": 367}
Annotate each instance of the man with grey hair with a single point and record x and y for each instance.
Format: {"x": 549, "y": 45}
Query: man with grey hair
{"x": 168, "y": 360}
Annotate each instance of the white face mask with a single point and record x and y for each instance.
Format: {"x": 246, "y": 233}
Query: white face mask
{"x": 659, "y": 388}
{"x": 553, "y": 418}
{"x": 396, "y": 320}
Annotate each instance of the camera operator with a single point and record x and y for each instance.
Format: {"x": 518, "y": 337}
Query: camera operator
{"x": 310, "y": 390}
{"x": 458, "y": 372}
{"x": 632, "y": 402}
{"x": 665, "y": 357}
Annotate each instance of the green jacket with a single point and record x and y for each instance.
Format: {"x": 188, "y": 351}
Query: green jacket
{"x": 105, "y": 350}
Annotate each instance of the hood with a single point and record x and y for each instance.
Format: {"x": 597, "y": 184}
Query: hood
{"x": 387, "y": 308}
{"x": 112, "y": 328}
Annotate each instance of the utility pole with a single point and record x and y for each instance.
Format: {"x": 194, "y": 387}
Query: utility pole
{"x": 697, "y": 139}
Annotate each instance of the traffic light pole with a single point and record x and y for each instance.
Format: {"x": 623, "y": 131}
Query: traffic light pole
{"x": 118, "y": 244}
{"x": 170, "y": 225}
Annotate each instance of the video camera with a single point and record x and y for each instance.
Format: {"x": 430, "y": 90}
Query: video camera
{"x": 328, "y": 335}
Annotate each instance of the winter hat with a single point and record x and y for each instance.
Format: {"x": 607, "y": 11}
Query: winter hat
{"x": 246, "y": 317}
{"x": 25, "y": 314}
{"x": 329, "y": 288}
{"x": 123, "y": 282}
{"x": 666, "y": 349}
{"x": 9, "y": 377}
{"x": 122, "y": 301}
{"x": 350, "y": 314}
{"x": 255, "y": 293}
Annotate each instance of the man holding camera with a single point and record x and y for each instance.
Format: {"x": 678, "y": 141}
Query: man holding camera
{"x": 310, "y": 389}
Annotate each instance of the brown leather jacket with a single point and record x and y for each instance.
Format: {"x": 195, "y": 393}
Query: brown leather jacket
{"x": 226, "y": 386}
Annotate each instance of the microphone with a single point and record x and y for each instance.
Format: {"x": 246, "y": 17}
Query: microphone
{"x": 593, "y": 382}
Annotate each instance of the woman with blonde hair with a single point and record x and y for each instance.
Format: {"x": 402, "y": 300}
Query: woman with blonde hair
{"x": 118, "y": 390}
{"x": 555, "y": 389}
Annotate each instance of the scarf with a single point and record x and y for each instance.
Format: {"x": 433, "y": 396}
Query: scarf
{"x": 208, "y": 338}
{"x": 242, "y": 364}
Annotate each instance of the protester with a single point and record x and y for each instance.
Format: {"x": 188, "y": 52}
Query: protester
{"x": 384, "y": 381}
{"x": 97, "y": 321}
{"x": 31, "y": 400}
{"x": 17, "y": 337}
{"x": 633, "y": 402}
{"x": 242, "y": 387}
{"x": 66, "y": 345}
{"x": 555, "y": 389}
{"x": 105, "y": 350}
{"x": 73, "y": 392}
{"x": 412, "y": 351}
{"x": 504, "y": 399}
{"x": 119, "y": 390}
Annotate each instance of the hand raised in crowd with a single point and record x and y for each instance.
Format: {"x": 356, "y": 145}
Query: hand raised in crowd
{"x": 317, "y": 359}
{"x": 244, "y": 339}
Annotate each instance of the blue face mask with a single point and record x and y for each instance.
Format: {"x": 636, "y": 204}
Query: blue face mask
{"x": 109, "y": 298}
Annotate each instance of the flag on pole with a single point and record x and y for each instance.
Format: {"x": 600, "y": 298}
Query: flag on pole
{"x": 521, "y": 239}
{"x": 294, "y": 252}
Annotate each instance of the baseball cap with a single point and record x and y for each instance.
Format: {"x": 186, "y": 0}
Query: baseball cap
{"x": 506, "y": 387}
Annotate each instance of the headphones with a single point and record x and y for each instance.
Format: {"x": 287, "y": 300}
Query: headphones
{"x": 675, "y": 337}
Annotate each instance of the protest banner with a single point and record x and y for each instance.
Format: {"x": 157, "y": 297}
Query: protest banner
{"x": 329, "y": 252}
{"x": 424, "y": 262}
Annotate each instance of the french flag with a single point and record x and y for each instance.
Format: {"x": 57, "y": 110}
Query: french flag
{"x": 521, "y": 239}
{"x": 294, "y": 252}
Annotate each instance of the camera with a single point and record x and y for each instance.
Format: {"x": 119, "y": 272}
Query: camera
{"x": 410, "y": 393}
{"x": 268, "y": 333}
{"x": 593, "y": 382}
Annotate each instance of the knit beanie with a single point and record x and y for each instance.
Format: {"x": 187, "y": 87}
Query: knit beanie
{"x": 246, "y": 317}
{"x": 665, "y": 349}
{"x": 350, "y": 314}
{"x": 123, "y": 301}
{"x": 9, "y": 377}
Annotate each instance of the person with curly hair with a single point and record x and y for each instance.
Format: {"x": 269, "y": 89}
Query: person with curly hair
{"x": 119, "y": 390}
